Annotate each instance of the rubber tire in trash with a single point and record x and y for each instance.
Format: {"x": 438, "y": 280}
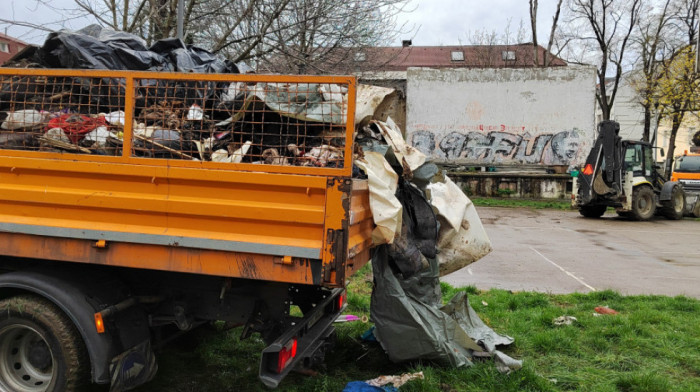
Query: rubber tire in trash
{"x": 592, "y": 211}
{"x": 40, "y": 348}
{"x": 643, "y": 203}
{"x": 674, "y": 208}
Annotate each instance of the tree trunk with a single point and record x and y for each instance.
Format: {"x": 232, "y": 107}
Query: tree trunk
{"x": 677, "y": 119}
{"x": 646, "y": 136}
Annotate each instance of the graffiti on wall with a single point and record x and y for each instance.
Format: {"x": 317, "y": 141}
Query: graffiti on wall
{"x": 502, "y": 145}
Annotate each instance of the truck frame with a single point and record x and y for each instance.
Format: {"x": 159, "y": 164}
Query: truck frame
{"x": 98, "y": 252}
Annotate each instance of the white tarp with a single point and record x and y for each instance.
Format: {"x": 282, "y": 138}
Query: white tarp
{"x": 386, "y": 208}
{"x": 462, "y": 239}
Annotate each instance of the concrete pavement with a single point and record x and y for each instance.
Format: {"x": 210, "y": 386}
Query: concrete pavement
{"x": 561, "y": 252}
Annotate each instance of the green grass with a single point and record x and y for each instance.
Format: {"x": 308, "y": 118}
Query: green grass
{"x": 652, "y": 345}
{"x": 558, "y": 204}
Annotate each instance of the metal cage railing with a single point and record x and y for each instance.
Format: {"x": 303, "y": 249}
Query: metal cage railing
{"x": 272, "y": 123}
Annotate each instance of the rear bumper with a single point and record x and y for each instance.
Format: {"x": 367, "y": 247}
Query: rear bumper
{"x": 310, "y": 333}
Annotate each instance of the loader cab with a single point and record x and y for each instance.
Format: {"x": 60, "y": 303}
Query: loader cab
{"x": 639, "y": 159}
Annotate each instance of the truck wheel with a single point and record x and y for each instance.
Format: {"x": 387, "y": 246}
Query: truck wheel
{"x": 643, "y": 203}
{"x": 696, "y": 209}
{"x": 40, "y": 349}
{"x": 674, "y": 208}
{"x": 592, "y": 211}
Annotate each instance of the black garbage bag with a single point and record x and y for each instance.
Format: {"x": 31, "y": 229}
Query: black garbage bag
{"x": 74, "y": 50}
{"x": 419, "y": 228}
{"x": 189, "y": 58}
{"x": 96, "y": 48}
{"x": 411, "y": 323}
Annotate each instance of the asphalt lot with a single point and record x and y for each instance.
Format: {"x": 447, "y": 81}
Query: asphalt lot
{"x": 557, "y": 251}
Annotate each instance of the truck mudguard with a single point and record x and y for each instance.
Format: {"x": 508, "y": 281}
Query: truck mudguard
{"x": 667, "y": 190}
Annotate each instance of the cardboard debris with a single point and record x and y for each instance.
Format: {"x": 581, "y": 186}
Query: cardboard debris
{"x": 396, "y": 381}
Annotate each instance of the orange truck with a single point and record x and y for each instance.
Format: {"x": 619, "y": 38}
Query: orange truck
{"x": 136, "y": 202}
{"x": 686, "y": 170}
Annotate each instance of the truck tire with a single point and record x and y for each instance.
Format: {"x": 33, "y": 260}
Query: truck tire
{"x": 643, "y": 203}
{"x": 40, "y": 349}
{"x": 696, "y": 209}
{"x": 592, "y": 211}
{"x": 675, "y": 207}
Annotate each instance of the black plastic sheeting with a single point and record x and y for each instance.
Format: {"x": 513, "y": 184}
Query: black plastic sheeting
{"x": 116, "y": 50}
{"x": 96, "y": 48}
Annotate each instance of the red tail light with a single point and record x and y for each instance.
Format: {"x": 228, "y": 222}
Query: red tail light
{"x": 341, "y": 300}
{"x": 588, "y": 170}
{"x": 288, "y": 352}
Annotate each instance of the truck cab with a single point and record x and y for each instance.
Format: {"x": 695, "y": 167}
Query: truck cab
{"x": 686, "y": 170}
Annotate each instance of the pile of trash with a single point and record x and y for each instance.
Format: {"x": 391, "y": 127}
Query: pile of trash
{"x": 426, "y": 227}
{"x": 299, "y": 124}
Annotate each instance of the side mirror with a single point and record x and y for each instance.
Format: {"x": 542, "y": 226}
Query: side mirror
{"x": 661, "y": 150}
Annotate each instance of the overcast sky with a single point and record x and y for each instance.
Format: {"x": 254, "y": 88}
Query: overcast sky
{"x": 449, "y": 22}
{"x": 436, "y": 22}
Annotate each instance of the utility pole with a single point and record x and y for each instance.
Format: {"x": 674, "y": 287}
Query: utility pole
{"x": 180, "y": 18}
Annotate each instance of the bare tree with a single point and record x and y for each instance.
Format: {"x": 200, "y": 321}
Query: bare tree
{"x": 318, "y": 36}
{"x": 489, "y": 44}
{"x": 533, "y": 27}
{"x": 300, "y": 33}
{"x": 552, "y": 33}
{"x": 678, "y": 89}
{"x": 655, "y": 43}
{"x": 605, "y": 27}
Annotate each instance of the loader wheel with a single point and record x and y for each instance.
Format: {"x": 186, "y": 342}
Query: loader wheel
{"x": 40, "y": 349}
{"x": 592, "y": 211}
{"x": 643, "y": 203}
{"x": 674, "y": 208}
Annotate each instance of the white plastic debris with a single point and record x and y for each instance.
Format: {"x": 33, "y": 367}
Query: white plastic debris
{"x": 195, "y": 112}
{"x": 23, "y": 119}
{"x": 57, "y": 134}
{"x": 233, "y": 90}
{"x": 220, "y": 156}
{"x": 564, "y": 320}
{"x": 99, "y": 136}
{"x": 237, "y": 156}
{"x": 332, "y": 92}
{"x": 142, "y": 130}
{"x": 117, "y": 117}
{"x": 386, "y": 208}
{"x": 410, "y": 157}
{"x": 369, "y": 98}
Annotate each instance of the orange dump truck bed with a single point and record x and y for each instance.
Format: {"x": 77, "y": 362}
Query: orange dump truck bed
{"x": 244, "y": 176}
